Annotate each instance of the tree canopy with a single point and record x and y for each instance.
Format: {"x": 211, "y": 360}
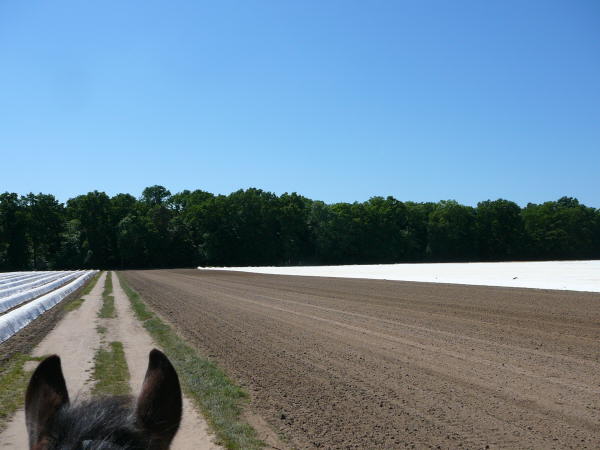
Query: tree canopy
{"x": 255, "y": 227}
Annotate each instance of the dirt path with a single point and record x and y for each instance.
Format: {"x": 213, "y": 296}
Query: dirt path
{"x": 340, "y": 363}
{"x": 75, "y": 340}
{"x": 193, "y": 433}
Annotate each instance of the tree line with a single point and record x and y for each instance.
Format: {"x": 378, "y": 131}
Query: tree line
{"x": 254, "y": 227}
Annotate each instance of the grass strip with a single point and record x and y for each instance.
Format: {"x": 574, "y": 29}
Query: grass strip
{"x": 88, "y": 288}
{"x": 76, "y": 303}
{"x": 216, "y": 395}
{"x": 108, "y": 311}
{"x": 13, "y": 384}
{"x": 110, "y": 371}
{"x": 73, "y": 305}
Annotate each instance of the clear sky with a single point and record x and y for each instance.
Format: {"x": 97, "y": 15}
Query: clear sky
{"x": 337, "y": 100}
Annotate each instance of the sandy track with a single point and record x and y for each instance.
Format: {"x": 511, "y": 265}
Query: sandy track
{"x": 377, "y": 364}
{"x": 193, "y": 432}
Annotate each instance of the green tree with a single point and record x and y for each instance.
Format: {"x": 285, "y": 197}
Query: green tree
{"x": 156, "y": 195}
{"x": 132, "y": 237}
{"x": 13, "y": 225}
{"x": 452, "y": 232}
{"x": 384, "y": 234}
{"x": 46, "y": 224}
{"x": 69, "y": 254}
{"x": 92, "y": 211}
{"x": 562, "y": 229}
{"x": 417, "y": 218}
{"x": 156, "y": 208}
{"x": 121, "y": 205}
{"x": 296, "y": 245}
{"x": 241, "y": 228}
{"x": 500, "y": 230}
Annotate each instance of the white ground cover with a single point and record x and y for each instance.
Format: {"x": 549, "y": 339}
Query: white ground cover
{"x": 17, "y": 319}
{"x": 9, "y": 281}
{"x": 29, "y": 283}
{"x": 4, "y": 276}
{"x": 16, "y": 299}
{"x": 560, "y": 275}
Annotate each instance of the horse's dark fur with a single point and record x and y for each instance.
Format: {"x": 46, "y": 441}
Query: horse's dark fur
{"x": 110, "y": 423}
{"x": 104, "y": 423}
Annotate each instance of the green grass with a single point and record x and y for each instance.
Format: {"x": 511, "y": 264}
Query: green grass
{"x": 74, "y": 304}
{"x": 111, "y": 372}
{"x": 107, "y": 311}
{"x": 13, "y": 384}
{"x": 88, "y": 288}
{"x": 216, "y": 395}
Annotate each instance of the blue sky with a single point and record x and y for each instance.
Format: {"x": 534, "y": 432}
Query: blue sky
{"x": 337, "y": 100}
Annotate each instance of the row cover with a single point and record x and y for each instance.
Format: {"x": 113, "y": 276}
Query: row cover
{"x": 24, "y": 279}
{"x": 17, "y": 319}
{"x": 21, "y": 278}
{"x": 11, "y": 274}
{"x": 560, "y": 275}
{"x": 30, "y": 283}
{"x": 22, "y": 297}
{"x": 5, "y": 275}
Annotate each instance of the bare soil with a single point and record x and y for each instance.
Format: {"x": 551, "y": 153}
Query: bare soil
{"x": 351, "y": 363}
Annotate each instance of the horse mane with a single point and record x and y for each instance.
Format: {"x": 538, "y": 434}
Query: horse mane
{"x": 105, "y": 423}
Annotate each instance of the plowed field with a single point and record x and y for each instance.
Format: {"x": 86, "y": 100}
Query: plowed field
{"x": 350, "y": 363}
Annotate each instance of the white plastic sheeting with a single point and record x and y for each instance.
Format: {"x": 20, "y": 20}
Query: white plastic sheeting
{"x": 25, "y": 279}
{"x": 18, "y": 318}
{"x": 11, "y": 274}
{"x": 5, "y": 275}
{"x": 24, "y": 296}
{"x": 11, "y": 289}
{"x": 560, "y": 275}
{"x": 21, "y": 278}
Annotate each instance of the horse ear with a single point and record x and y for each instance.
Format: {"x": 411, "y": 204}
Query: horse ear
{"x": 159, "y": 404}
{"x": 46, "y": 394}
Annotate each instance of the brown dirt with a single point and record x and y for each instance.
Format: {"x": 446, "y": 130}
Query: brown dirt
{"x": 350, "y": 363}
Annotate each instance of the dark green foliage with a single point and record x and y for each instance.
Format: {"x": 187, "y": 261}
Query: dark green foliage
{"x": 14, "y": 249}
{"x": 561, "y": 229}
{"x": 452, "y": 232}
{"x": 92, "y": 211}
{"x": 417, "y": 230}
{"x": 375, "y": 231}
{"x": 45, "y": 225}
{"x": 500, "y": 230}
{"x": 254, "y": 227}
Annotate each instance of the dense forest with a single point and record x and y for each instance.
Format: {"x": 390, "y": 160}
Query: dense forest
{"x": 254, "y": 227}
